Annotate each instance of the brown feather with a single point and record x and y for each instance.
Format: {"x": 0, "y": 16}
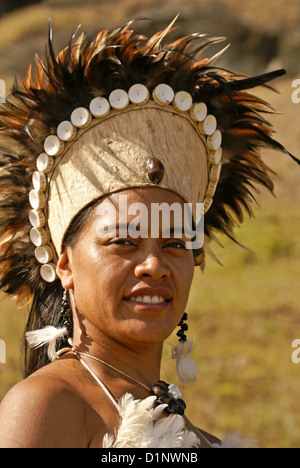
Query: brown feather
{"x": 118, "y": 59}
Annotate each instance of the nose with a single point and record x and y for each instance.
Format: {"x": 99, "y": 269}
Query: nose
{"x": 153, "y": 266}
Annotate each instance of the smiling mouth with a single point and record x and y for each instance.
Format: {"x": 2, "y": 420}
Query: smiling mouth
{"x": 148, "y": 299}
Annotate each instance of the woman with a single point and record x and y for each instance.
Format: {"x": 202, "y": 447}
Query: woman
{"x": 110, "y": 129}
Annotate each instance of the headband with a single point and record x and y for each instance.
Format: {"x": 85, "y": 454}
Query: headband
{"x": 111, "y": 147}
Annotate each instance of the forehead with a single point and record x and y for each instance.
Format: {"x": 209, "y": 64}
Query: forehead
{"x": 140, "y": 212}
{"x": 144, "y": 202}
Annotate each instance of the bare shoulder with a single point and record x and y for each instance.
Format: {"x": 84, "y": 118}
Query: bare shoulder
{"x": 42, "y": 411}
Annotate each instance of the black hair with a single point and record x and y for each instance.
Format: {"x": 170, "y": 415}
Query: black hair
{"x": 46, "y": 306}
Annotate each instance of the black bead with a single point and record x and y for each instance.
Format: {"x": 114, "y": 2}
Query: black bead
{"x": 184, "y": 317}
{"x": 161, "y": 391}
{"x": 156, "y": 170}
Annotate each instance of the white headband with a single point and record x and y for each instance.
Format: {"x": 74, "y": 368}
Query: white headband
{"x": 85, "y": 161}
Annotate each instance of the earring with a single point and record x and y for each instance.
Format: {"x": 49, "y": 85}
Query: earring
{"x": 183, "y": 328}
{"x": 185, "y": 366}
{"x": 49, "y": 335}
{"x": 66, "y": 313}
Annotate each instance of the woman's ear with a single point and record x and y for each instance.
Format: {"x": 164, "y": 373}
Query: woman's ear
{"x": 64, "y": 269}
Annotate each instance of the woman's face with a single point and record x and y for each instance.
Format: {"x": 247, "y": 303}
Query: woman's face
{"x": 133, "y": 289}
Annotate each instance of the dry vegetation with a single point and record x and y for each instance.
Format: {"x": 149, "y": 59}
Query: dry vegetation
{"x": 245, "y": 315}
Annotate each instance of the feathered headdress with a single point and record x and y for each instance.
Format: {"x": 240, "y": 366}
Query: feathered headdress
{"x": 89, "y": 69}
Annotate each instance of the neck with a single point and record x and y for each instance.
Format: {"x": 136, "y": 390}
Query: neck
{"x": 141, "y": 363}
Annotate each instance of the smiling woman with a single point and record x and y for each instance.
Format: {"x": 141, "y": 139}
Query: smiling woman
{"x": 138, "y": 282}
{"x": 119, "y": 117}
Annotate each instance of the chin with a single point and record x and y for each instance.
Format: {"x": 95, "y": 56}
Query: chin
{"x": 149, "y": 333}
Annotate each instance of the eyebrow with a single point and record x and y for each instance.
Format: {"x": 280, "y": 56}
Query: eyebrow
{"x": 175, "y": 230}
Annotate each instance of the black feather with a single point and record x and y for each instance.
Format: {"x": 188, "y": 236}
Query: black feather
{"x": 118, "y": 59}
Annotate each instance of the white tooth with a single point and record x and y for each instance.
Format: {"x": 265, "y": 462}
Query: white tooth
{"x": 147, "y": 299}
{"x": 156, "y": 299}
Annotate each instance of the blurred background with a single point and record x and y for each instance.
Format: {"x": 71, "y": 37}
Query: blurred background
{"x": 245, "y": 315}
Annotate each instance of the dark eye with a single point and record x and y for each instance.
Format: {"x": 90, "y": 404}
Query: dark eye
{"x": 175, "y": 244}
{"x": 125, "y": 242}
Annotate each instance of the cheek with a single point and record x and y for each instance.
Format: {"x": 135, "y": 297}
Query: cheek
{"x": 98, "y": 280}
{"x": 183, "y": 281}
{"x": 183, "y": 272}
{"x": 182, "y": 276}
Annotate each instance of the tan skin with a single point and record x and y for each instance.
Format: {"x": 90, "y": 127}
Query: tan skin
{"x": 61, "y": 405}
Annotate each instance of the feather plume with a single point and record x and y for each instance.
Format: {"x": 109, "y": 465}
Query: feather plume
{"x": 186, "y": 367}
{"x": 118, "y": 59}
{"x": 46, "y": 336}
{"x": 234, "y": 441}
{"x": 139, "y": 427}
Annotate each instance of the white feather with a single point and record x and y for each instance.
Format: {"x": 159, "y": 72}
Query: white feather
{"x": 135, "y": 423}
{"x": 46, "y": 336}
{"x": 108, "y": 441}
{"x": 186, "y": 367}
{"x": 139, "y": 427}
{"x": 171, "y": 432}
{"x": 234, "y": 441}
{"x": 158, "y": 412}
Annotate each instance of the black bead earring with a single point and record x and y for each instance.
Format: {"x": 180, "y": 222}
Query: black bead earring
{"x": 183, "y": 328}
{"x": 66, "y": 313}
{"x": 185, "y": 365}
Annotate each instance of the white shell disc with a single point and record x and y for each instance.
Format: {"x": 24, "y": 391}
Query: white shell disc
{"x": 39, "y": 181}
{"x": 215, "y": 172}
{"x": 66, "y": 131}
{"x": 209, "y": 125}
{"x": 163, "y": 94}
{"x": 53, "y": 145}
{"x": 138, "y": 94}
{"x": 43, "y": 254}
{"x": 119, "y": 99}
{"x": 99, "y": 107}
{"x": 81, "y": 117}
{"x": 48, "y": 272}
{"x": 44, "y": 163}
{"x": 183, "y": 101}
{"x": 211, "y": 189}
{"x": 216, "y": 156}
{"x": 198, "y": 111}
{"x": 38, "y": 236}
{"x": 214, "y": 141}
{"x": 207, "y": 204}
{"x": 37, "y": 200}
{"x": 37, "y": 219}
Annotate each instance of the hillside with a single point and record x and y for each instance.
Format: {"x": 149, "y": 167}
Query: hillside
{"x": 261, "y": 33}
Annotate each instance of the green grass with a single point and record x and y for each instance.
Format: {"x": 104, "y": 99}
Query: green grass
{"x": 12, "y": 323}
{"x": 244, "y": 317}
